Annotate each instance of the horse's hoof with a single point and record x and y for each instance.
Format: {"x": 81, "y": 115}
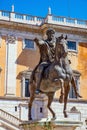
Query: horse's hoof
{"x": 78, "y": 95}
{"x": 65, "y": 115}
{"x": 54, "y": 118}
{"x": 30, "y": 118}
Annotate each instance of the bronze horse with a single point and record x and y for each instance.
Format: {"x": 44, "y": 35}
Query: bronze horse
{"x": 56, "y": 79}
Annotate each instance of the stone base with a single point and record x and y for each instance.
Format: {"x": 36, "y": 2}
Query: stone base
{"x": 45, "y": 124}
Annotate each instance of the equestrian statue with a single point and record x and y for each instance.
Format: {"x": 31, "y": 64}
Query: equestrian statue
{"x": 53, "y": 71}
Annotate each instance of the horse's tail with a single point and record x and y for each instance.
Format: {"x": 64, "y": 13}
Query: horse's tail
{"x": 73, "y": 81}
{"x": 75, "y": 88}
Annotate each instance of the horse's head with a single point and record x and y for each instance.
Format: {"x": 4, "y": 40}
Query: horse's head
{"x": 61, "y": 47}
{"x": 62, "y": 39}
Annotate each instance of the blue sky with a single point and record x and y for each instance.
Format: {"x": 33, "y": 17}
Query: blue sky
{"x": 67, "y": 8}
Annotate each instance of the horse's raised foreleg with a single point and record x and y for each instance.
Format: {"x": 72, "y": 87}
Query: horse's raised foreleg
{"x": 66, "y": 92}
{"x": 50, "y": 99}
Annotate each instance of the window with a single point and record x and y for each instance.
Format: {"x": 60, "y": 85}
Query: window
{"x": 25, "y": 83}
{"x": 27, "y": 94}
{"x": 15, "y": 108}
{"x": 72, "y": 45}
{"x": 28, "y": 44}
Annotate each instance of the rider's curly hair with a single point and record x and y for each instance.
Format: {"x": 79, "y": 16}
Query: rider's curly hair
{"x": 50, "y": 30}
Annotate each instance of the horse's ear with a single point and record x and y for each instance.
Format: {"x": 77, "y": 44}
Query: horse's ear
{"x": 61, "y": 36}
{"x": 66, "y": 37}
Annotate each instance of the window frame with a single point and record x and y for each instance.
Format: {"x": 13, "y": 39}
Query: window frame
{"x": 29, "y": 47}
{"x": 72, "y": 50}
{"x": 25, "y": 75}
{"x": 28, "y": 93}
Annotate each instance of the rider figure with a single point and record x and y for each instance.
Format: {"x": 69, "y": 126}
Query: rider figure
{"x": 47, "y": 55}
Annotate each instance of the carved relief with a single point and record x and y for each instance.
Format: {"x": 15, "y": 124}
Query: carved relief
{"x": 73, "y": 109}
{"x": 11, "y": 39}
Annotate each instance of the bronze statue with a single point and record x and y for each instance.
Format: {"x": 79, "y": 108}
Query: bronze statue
{"x": 53, "y": 71}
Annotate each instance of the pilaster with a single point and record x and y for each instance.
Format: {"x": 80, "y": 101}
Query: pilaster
{"x": 11, "y": 50}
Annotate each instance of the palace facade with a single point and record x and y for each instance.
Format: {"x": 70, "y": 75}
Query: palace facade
{"x": 19, "y": 55}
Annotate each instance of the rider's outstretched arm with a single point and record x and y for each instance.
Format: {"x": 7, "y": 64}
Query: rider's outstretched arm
{"x": 38, "y": 42}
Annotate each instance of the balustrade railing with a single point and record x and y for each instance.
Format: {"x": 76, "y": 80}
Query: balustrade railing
{"x": 29, "y": 19}
{"x": 69, "y": 20}
{"x": 17, "y": 17}
{"x": 57, "y": 18}
{"x": 5, "y": 13}
{"x": 81, "y": 22}
{"x": 9, "y": 118}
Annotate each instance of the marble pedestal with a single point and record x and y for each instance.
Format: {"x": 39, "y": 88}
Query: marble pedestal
{"x": 45, "y": 124}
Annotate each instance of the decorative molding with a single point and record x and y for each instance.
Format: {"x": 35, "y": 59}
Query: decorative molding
{"x": 11, "y": 39}
{"x": 20, "y": 34}
{"x": 26, "y": 73}
{"x": 30, "y": 35}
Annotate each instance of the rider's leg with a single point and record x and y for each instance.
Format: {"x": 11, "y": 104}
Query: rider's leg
{"x": 41, "y": 67}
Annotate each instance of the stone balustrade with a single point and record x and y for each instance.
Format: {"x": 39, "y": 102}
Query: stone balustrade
{"x": 9, "y": 118}
{"x": 70, "y": 21}
{"x": 34, "y": 20}
{"x": 21, "y": 18}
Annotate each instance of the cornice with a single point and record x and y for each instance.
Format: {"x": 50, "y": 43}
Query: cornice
{"x": 66, "y": 29}
{"x": 20, "y": 26}
{"x": 17, "y": 33}
{"x": 42, "y": 28}
{"x": 31, "y": 31}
